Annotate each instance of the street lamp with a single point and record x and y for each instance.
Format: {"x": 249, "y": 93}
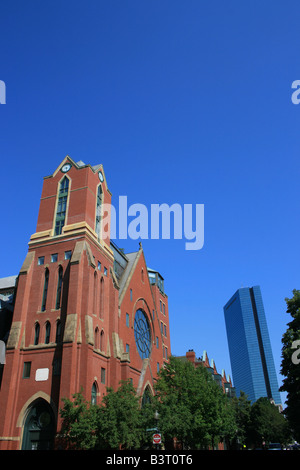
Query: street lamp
{"x": 156, "y": 417}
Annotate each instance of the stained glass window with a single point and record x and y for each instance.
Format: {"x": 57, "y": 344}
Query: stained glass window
{"x": 142, "y": 334}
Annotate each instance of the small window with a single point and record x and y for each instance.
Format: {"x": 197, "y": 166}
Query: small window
{"x": 59, "y": 286}
{"x": 68, "y": 254}
{"x": 157, "y": 366}
{"x": 58, "y": 332}
{"x": 160, "y": 305}
{"x": 165, "y": 330}
{"x": 41, "y": 260}
{"x": 157, "y": 341}
{"x": 97, "y": 338}
{"x": 102, "y": 341}
{"x": 36, "y": 334}
{"x": 162, "y": 327}
{"x": 54, "y": 258}
{"x": 94, "y": 394}
{"x": 153, "y": 315}
{"x": 164, "y": 309}
{"x": 45, "y": 290}
{"x": 105, "y": 271}
{"x": 103, "y": 375}
{"x": 127, "y": 319}
{"x": 99, "y": 266}
{"x": 47, "y": 333}
{"x": 131, "y": 295}
{"x": 26, "y": 370}
{"x": 127, "y": 348}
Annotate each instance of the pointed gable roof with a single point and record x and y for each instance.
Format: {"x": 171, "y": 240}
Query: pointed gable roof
{"x": 128, "y": 272}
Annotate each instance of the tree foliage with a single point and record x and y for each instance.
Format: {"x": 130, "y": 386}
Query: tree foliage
{"x": 242, "y": 411}
{"x": 267, "y": 424}
{"x": 290, "y": 365}
{"x": 115, "y": 424}
{"x": 192, "y": 406}
{"x": 79, "y": 424}
{"x": 120, "y": 417}
{"x": 193, "y": 411}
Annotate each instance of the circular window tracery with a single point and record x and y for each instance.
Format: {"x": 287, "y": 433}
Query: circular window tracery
{"x": 142, "y": 334}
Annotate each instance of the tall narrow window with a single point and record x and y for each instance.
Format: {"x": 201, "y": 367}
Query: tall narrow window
{"x": 102, "y": 298}
{"x": 98, "y": 212}
{"x": 102, "y": 341}
{"x": 47, "y": 333}
{"x": 94, "y": 394}
{"x": 95, "y": 294}
{"x": 103, "y": 375}
{"x": 61, "y": 205}
{"x": 58, "y": 331}
{"x": 36, "y": 334}
{"x": 59, "y": 284}
{"x": 45, "y": 290}
{"x": 97, "y": 339}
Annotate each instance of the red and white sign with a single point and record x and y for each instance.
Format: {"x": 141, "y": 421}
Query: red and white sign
{"x": 156, "y": 438}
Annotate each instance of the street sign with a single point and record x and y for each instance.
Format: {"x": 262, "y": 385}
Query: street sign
{"x": 156, "y": 438}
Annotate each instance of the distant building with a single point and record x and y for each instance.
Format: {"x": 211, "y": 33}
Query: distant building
{"x": 249, "y": 345}
{"x": 7, "y": 291}
{"x": 224, "y": 382}
{"x": 84, "y": 315}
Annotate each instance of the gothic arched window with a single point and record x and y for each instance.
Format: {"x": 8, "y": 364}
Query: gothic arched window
{"x": 36, "y": 333}
{"x": 59, "y": 285}
{"x": 47, "y": 333}
{"x": 94, "y": 394}
{"x": 45, "y": 290}
{"x": 61, "y": 205}
{"x": 98, "y": 212}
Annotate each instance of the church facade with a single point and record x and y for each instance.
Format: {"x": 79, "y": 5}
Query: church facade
{"x": 85, "y": 315}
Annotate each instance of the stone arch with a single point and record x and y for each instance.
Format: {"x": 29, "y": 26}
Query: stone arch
{"x": 38, "y": 421}
{"x": 148, "y": 392}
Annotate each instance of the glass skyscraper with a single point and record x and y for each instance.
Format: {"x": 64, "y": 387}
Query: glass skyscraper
{"x": 251, "y": 357}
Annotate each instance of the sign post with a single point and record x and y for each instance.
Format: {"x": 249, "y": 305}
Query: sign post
{"x": 157, "y": 439}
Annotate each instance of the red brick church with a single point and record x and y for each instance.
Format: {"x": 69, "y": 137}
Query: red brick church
{"x": 85, "y": 314}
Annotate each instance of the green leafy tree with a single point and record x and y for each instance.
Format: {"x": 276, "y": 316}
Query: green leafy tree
{"x": 79, "y": 424}
{"x": 192, "y": 406}
{"x": 267, "y": 423}
{"x": 116, "y": 423}
{"x": 121, "y": 420}
{"x": 242, "y": 410}
{"x": 290, "y": 365}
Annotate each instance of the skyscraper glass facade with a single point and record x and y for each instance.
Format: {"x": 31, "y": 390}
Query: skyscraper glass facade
{"x": 249, "y": 345}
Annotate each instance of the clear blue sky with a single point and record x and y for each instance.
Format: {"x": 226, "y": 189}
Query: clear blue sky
{"x": 182, "y": 102}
